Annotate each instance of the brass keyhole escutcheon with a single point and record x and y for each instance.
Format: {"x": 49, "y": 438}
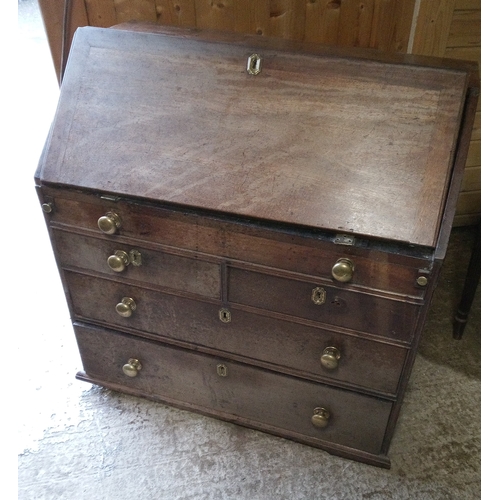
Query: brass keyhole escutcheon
{"x": 225, "y": 315}
{"x": 254, "y": 64}
{"x": 132, "y": 367}
{"x": 318, "y": 296}
{"x": 109, "y": 223}
{"x": 343, "y": 270}
{"x": 320, "y": 417}
{"x": 222, "y": 370}
{"x": 126, "y": 307}
{"x": 330, "y": 358}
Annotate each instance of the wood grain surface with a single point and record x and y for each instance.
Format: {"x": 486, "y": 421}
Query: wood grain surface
{"x": 256, "y": 395}
{"x": 333, "y": 143}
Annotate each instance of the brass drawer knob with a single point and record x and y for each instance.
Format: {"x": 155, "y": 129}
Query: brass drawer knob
{"x": 126, "y": 307}
{"x": 109, "y": 223}
{"x": 118, "y": 261}
{"x": 47, "y": 207}
{"x": 132, "y": 367}
{"x": 320, "y": 417}
{"x": 343, "y": 270}
{"x": 330, "y": 358}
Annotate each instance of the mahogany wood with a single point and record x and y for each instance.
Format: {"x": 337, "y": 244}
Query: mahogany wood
{"x": 281, "y": 343}
{"x": 275, "y": 138}
{"x": 240, "y": 193}
{"x": 357, "y": 311}
{"x": 281, "y": 247}
{"x": 260, "y": 395}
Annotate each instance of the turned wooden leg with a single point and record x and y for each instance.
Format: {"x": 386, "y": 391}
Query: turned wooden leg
{"x": 469, "y": 290}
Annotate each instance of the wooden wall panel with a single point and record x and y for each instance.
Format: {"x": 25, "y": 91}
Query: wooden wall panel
{"x": 391, "y": 27}
{"x": 452, "y": 28}
{"x": 322, "y": 21}
{"x": 218, "y": 14}
{"x": 472, "y": 179}
{"x": 178, "y": 13}
{"x": 476, "y": 131}
{"x": 53, "y": 14}
{"x": 433, "y": 27}
{"x": 465, "y": 29}
{"x": 101, "y": 14}
{"x": 131, "y": 9}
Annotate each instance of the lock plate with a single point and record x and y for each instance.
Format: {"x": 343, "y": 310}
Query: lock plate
{"x": 254, "y": 64}
{"x": 222, "y": 370}
{"x": 135, "y": 257}
{"x": 225, "y": 315}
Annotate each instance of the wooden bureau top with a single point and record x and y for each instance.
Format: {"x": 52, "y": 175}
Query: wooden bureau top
{"x": 316, "y": 139}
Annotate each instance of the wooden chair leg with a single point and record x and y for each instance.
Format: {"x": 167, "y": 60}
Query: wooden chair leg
{"x": 470, "y": 286}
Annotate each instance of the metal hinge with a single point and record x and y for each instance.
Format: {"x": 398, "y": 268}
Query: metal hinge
{"x": 344, "y": 239}
{"x": 109, "y": 197}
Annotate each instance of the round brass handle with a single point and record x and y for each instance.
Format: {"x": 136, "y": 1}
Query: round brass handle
{"x": 47, "y": 207}
{"x": 109, "y": 223}
{"x": 330, "y": 358}
{"x": 320, "y": 417}
{"x": 132, "y": 367}
{"x": 126, "y": 307}
{"x": 118, "y": 261}
{"x": 343, "y": 270}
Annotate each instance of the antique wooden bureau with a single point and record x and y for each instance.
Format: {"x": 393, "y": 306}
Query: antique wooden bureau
{"x": 252, "y": 228}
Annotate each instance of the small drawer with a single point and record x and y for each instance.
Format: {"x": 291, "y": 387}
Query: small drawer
{"x": 291, "y": 249}
{"x": 279, "y": 345}
{"x": 157, "y": 268}
{"x": 234, "y": 391}
{"x": 362, "y": 312}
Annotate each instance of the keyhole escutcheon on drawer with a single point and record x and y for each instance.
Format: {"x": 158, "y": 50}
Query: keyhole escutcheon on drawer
{"x": 225, "y": 315}
{"x": 318, "y": 295}
{"x": 222, "y": 370}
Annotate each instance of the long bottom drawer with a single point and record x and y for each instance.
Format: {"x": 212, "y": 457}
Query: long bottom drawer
{"x": 233, "y": 391}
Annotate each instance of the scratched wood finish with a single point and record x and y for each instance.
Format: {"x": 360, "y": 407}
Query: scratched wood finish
{"x": 157, "y": 268}
{"x": 260, "y": 396}
{"x": 380, "y": 24}
{"x": 305, "y": 128}
{"x": 254, "y": 250}
{"x": 393, "y": 274}
{"x": 445, "y": 27}
{"x": 297, "y": 349}
{"x": 394, "y": 319}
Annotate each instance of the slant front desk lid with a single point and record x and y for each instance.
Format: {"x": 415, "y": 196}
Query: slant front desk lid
{"x": 316, "y": 139}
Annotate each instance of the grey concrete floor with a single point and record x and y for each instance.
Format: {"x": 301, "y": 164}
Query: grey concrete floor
{"x": 76, "y": 441}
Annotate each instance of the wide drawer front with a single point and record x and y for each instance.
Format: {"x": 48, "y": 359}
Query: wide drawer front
{"x": 395, "y": 319}
{"x": 157, "y": 268}
{"x": 292, "y": 251}
{"x": 280, "y": 345}
{"x": 229, "y": 389}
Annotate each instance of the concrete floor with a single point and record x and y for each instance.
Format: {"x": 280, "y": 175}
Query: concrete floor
{"x": 76, "y": 441}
